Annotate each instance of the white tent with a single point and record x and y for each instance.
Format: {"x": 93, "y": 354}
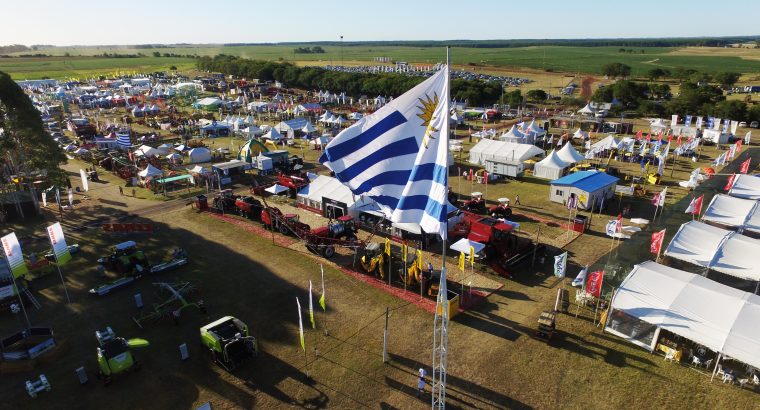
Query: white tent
{"x": 734, "y": 213}
{"x": 580, "y": 134}
{"x": 164, "y": 148}
{"x": 715, "y": 248}
{"x": 608, "y": 142}
{"x": 252, "y": 130}
{"x": 587, "y": 110}
{"x": 719, "y": 317}
{"x": 272, "y": 135}
{"x": 308, "y": 128}
{"x": 355, "y": 116}
{"x": 173, "y": 157}
{"x": 746, "y": 186}
{"x": 198, "y": 170}
{"x": 534, "y": 130}
{"x": 200, "y": 154}
{"x": 150, "y": 171}
{"x": 327, "y": 192}
{"x": 464, "y": 244}
{"x": 503, "y": 152}
{"x": 276, "y": 189}
{"x": 148, "y": 151}
{"x": 551, "y": 167}
{"x": 568, "y": 154}
{"x": 516, "y": 136}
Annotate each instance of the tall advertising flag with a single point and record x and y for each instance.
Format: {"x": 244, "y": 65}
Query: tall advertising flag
{"x": 594, "y": 283}
{"x": 85, "y": 183}
{"x": 300, "y": 325}
{"x": 57, "y": 240}
{"x": 560, "y": 265}
{"x": 472, "y": 256}
{"x": 695, "y": 206}
{"x": 322, "y": 296}
{"x": 730, "y": 182}
{"x": 311, "y": 308}
{"x": 13, "y": 255}
{"x": 580, "y": 280}
{"x": 461, "y": 261}
{"x": 745, "y": 166}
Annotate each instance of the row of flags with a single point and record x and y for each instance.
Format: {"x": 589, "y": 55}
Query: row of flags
{"x": 15, "y": 257}
{"x": 311, "y": 309}
{"x": 590, "y": 283}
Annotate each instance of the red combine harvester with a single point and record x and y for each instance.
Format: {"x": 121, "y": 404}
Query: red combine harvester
{"x": 249, "y": 207}
{"x": 294, "y": 182}
{"x": 503, "y": 248}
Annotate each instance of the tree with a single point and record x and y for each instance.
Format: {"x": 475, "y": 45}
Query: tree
{"x": 24, "y": 140}
{"x": 733, "y": 109}
{"x": 536, "y": 95}
{"x": 616, "y": 70}
{"x": 173, "y": 68}
{"x": 156, "y": 54}
{"x": 726, "y": 79}
{"x": 657, "y": 73}
{"x": 513, "y": 98}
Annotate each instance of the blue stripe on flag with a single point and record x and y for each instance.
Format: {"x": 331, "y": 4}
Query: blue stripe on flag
{"x": 405, "y": 146}
{"x": 339, "y": 151}
{"x": 431, "y": 171}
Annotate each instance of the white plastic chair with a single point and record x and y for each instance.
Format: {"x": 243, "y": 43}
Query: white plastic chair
{"x": 695, "y": 361}
{"x": 670, "y": 355}
{"x": 721, "y": 373}
{"x": 708, "y": 363}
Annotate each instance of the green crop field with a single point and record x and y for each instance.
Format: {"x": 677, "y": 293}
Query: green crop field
{"x": 553, "y": 58}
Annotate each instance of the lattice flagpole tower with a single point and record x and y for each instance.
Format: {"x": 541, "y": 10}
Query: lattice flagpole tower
{"x": 440, "y": 345}
{"x": 441, "y": 324}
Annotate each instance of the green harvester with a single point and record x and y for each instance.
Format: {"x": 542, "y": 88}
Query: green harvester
{"x": 115, "y": 354}
{"x": 229, "y": 342}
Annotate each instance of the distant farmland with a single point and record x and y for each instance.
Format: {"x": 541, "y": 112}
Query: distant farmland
{"x": 572, "y": 59}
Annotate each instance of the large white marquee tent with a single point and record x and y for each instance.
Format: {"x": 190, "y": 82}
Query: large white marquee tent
{"x": 504, "y": 152}
{"x": 734, "y": 213}
{"x": 746, "y": 186}
{"x": 551, "y": 167}
{"x": 716, "y": 316}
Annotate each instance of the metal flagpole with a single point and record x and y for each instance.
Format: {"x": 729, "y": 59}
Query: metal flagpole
{"x": 441, "y": 323}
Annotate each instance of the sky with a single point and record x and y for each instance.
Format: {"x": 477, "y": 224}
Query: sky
{"x": 105, "y": 22}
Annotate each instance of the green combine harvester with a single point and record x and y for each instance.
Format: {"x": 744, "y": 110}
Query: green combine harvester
{"x": 115, "y": 355}
{"x": 229, "y": 342}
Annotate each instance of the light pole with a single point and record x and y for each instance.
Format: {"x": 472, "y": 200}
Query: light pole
{"x": 341, "y": 50}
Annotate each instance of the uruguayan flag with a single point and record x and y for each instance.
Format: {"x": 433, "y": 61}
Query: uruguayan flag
{"x": 398, "y": 155}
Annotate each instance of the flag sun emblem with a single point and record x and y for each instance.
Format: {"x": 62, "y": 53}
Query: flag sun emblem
{"x": 426, "y": 115}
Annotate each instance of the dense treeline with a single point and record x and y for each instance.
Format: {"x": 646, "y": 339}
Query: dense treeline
{"x": 477, "y": 93}
{"x": 610, "y": 42}
{"x": 13, "y": 48}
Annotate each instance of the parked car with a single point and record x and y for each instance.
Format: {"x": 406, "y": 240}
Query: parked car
{"x": 754, "y": 124}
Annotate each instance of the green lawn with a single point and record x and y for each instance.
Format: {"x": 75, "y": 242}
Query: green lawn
{"x": 78, "y": 67}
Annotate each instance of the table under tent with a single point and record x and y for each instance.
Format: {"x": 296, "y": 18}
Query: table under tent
{"x": 716, "y": 249}
{"x": 679, "y": 313}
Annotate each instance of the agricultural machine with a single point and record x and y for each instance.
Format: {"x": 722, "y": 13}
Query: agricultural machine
{"x": 503, "y": 249}
{"x": 175, "y": 298}
{"x": 249, "y": 207}
{"x": 178, "y": 258}
{"x": 125, "y": 259}
{"x": 374, "y": 261}
{"x": 476, "y": 203}
{"x": 229, "y": 342}
{"x": 225, "y": 200}
{"x": 115, "y": 354}
{"x": 502, "y": 210}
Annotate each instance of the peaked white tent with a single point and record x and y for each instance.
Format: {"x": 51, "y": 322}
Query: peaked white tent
{"x": 551, "y": 167}
{"x": 608, "y": 142}
{"x": 308, "y": 128}
{"x": 200, "y": 154}
{"x": 734, "y": 213}
{"x": 746, "y": 186}
{"x": 516, "y": 136}
{"x": 719, "y": 317}
{"x": 150, "y": 171}
{"x": 587, "y": 110}
{"x": 533, "y": 130}
{"x": 580, "y": 134}
{"x": 276, "y": 189}
{"x": 717, "y": 249}
{"x": 568, "y": 154}
{"x": 272, "y": 135}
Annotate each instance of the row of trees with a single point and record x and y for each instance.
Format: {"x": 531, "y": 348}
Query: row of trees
{"x": 309, "y": 50}
{"x": 726, "y": 79}
{"x": 477, "y": 93}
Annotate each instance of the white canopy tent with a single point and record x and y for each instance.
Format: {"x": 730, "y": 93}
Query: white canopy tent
{"x": 734, "y": 213}
{"x": 717, "y": 249}
{"x": 200, "y": 154}
{"x": 276, "y": 189}
{"x": 150, "y": 171}
{"x": 501, "y": 151}
{"x": 580, "y": 134}
{"x": 716, "y": 316}
{"x": 551, "y": 167}
{"x": 515, "y": 136}
{"x": 606, "y": 143}
{"x": 463, "y": 245}
{"x": 587, "y": 110}
{"x": 325, "y": 191}
{"x": 568, "y": 154}
{"x": 746, "y": 186}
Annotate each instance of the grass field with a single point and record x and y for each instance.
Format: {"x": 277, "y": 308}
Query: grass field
{"x": 553, "y": 58}
{"x": 30, "y": 68}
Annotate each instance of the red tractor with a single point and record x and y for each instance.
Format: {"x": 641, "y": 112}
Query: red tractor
{"x": 340, "y": 233}
{"x": 502, "y": 210}
{"x": 503, "y": 248}
{"x": 476, "y": 203}
{"x": 249, "y": 207}
{"x": 225, "y": 201}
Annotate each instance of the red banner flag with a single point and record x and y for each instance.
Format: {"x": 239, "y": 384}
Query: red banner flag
{"x": 745, "y": 166}
{"x": 678, "y": 141}
{"x": 695, "y": 206}
{"x": 639, "y": 135}
{"x": 594, "y": 283}
{"x": 657, "y": 239}
{"x": 670, "y": 138}
{"x": 730, "y": 182}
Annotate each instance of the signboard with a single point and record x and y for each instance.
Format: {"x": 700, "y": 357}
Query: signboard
{"x": 57, "y": 240}
{"x": 13, "y": 255}
{"x": 6, "y": 292}
{"x": 127, "y": 227}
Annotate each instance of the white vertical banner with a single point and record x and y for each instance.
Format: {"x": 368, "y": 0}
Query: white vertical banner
{"x": 734, "y": 126}
{"x": 674, "y": 120}
{"x": 71, "y": 198}
{"x": 12, "y": 250}
{"x": 44, "y": 199}
{"x": 699, "y": 122}
{"x": 58, "y": 242}
{"x": 85, "y": 183}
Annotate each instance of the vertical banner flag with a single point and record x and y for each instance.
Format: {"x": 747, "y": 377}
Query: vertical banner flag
{"x": 695, "y": 206}
{"x": 730, "y": 183}
{"x": 322, "y": 296}
{"x": 657, "y": 239}
{"x": 745, "y": 166}
{"x": 572, "y": 202}
{"x": 44, "y": 199}
{"x": 612, "y": 228}
{"x": 398, "y": 155}
{"x": 687, "y": 121}
{"x": 71, "y": 198}
{"x": 461, "y": 261}
{"x": 716, "y": 124}
{"x": 560, "y": 265}
{"x": 13, "y": 255}
{"x": 581, "y": 278}
{"x": 388, "y": 246}
{"x": 726, "y": 123}
{"x": 85, "y": 183}
{"x": 674, "y": 120}
{"x": 311, "y": 307}
{"x": 594, "y": 283}
{"x": 57, "y": 240}
{"x": 734, "y": 126}
{"x": 300, "y": 325}
{"x": 710, "y": 123}
{"x": 699, "y": 123}
{"x": 472, "y": 256}
{"x": 419, "y": 259}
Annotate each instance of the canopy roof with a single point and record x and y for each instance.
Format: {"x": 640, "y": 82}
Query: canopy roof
{"x": 568, "y": 154}
{"x": 719, "y": 317}
{"x": 586, "y": 110}
{"x": 534, "y": 129}
{"x": 580, "y": 134}
{"x": 294, "y": 124}
{"x": 588, "y": 181}
{"x": 276, "y": 189}
{"x": 464, "y": 244}
{"x": 715, "y": 248}
{"x": 502, "y": 151}
{"x": 746, "y": 186}
{"x": 150, "y": 171}
{"x": 738, "y": 213}
{"x": 513, "y": 133}
{"x": 552, "y": 161}
{"x": 608, "y": 142}
{"x": 328, "y": 187}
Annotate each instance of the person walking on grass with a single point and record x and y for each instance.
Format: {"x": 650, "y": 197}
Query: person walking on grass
{"x": 420, "y": 386}
{"x": 121, "y": 191}
{"x": 517, "y": 200}
{"x": 134, "y": 193}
